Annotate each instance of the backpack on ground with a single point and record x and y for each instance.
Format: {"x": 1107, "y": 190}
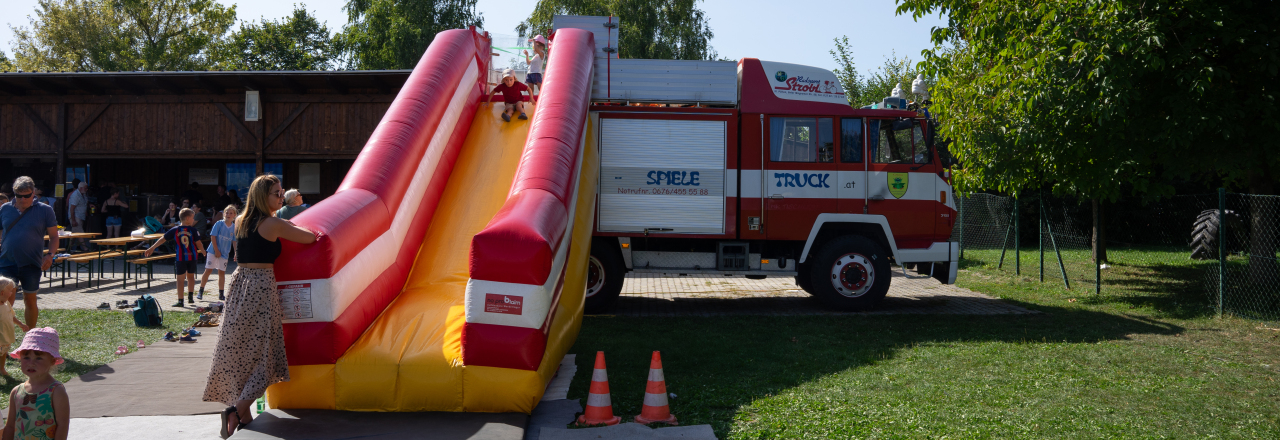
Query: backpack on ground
{"x": 148, "y": 312}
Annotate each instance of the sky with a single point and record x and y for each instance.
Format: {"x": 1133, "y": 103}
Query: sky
{"x": 799, "y": 33}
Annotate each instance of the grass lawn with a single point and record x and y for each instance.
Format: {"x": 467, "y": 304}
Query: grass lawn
{"x": 1144, "y": 360}
{"x": 88, "y": 340}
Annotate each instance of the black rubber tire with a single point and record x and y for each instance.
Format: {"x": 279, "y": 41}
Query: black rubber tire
{"x": 605, "y": 273}
{"x": 834, "y": 253}
{"x": 1204, "y": 234}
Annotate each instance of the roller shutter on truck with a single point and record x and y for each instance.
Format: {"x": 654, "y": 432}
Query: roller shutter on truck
{"x": 662, "y": 176}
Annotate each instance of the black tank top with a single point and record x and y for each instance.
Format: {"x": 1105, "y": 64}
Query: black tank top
{"x": 255, "y": 249}
{"x": 113, "y": 211}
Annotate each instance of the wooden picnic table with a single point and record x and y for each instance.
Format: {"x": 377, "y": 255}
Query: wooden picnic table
{"x": 75, "y": 235}
{"x": 105, "y": 246}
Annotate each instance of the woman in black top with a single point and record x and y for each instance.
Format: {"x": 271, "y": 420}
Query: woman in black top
{"x": 250, "y": 354}
{"x": 111, "y": 207}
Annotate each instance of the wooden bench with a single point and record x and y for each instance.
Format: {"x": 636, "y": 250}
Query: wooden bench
{"x": 139, "y": 263}
{"x": 85, "y": 260}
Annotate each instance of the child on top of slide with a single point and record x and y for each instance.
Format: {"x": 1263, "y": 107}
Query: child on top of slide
{"x": 511, "y": 97}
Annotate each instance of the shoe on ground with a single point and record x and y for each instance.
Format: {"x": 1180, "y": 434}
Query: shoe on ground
{"x": 191, "y": 298}
{"x": 187, "y": 338}
{"x": 193, "y": 332}
{"x": 200, "y": 295}
{"x": 523, "y": 117}
{"x": 104, "y": 306}
{"x": 221, "y": 296}
{"x": 506, "y": 117}
{"x": 178, "y": 304}
{"x": 169, "y": 337}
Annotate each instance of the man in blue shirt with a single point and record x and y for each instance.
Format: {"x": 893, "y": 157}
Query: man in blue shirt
{"x": 22, "y": 256}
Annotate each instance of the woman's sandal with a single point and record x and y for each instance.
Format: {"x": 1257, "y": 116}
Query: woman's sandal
{"x": 226, "y": 416}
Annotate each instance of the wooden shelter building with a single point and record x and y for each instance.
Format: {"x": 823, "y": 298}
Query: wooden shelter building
{"x": 153, "y": 133}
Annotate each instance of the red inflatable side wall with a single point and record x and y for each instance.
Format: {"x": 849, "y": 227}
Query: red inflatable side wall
{"x": 519, "y": 245}
{"x": 369, "y": 199}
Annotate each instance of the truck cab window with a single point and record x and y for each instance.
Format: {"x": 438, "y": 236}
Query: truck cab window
{"x": 894, "y": 142}
{"x": 922, "y": 153}
{"x": 793, "y": 139}
{"x": 851, "y": 140}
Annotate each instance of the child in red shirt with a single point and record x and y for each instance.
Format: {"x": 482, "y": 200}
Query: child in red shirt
{"x": 510, "y": 89}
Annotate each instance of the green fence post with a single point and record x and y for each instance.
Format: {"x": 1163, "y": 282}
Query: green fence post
{"x": 1097, "y": 264}
{"x": 1222, "y": 246}
{"x": 1041, "y": 235}
{"x": 1005, "y": 246}
{"x": 960, "y": 223}
{"x": 1017, "y": 243}
{"x": 1061, "y": 267}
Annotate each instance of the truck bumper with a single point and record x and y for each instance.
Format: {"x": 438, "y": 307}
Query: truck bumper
{"x": 944, "y": 257}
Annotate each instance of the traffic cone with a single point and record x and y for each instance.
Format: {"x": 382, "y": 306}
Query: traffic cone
{"x": 655, "y": 407}
{"x": 599, "y": 409}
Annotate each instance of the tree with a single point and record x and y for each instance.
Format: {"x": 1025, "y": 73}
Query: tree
{"x": 393, "y": 34}
{"x": 862, "y": 90}
{"x": 6, "y": 65}
{"x": 652, "y": 29}
{"x": 121, "y": 35}
{"x": 1080, "y": 95}
{"x": 297, "y": 42}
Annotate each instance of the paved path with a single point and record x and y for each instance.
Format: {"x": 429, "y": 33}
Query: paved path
{"x": 665, "y": 295}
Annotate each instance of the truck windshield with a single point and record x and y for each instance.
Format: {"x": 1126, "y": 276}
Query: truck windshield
{"x": 898, "y": 142}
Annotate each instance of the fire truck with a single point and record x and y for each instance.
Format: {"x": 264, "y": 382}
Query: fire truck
{"x": 759, "y": 168}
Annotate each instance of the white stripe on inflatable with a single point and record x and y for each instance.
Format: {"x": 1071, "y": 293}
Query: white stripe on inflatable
{"x": 599, "y": 400}
{"x": 651, "y": 399}
{"x": 330, "y": 297}
{"x": 655, "y": 375}
{"x": 536, "y": 300}
{"x": 599, "y": 375}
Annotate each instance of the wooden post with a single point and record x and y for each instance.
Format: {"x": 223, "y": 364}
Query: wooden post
{"x": 61, "y": 145}
{"x": 262, "y": 135}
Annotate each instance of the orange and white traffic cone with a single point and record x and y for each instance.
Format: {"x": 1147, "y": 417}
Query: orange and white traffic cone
{"x": 655, "y": 407}
{"x": 599, "y": 409}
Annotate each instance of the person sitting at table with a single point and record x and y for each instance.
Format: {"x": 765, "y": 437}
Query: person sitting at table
{"x": 170, "y": 216}
{"x": 111, "y": 207}
{"x": 187, "y": 240}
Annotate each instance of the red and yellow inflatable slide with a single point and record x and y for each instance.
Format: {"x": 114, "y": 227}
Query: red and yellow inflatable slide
{"x": 451, "y": 265}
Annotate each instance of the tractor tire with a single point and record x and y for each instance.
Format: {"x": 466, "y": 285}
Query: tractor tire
{"x": 1204, "y": 233}
{"x": 605, "y": 273}
{"x": 850, "y": 273}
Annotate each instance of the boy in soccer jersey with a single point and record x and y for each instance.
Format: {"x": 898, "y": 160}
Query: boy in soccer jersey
{"x": 187, "y": 242}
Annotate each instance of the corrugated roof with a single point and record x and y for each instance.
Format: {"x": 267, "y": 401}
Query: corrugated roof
{"x": 201, "y": 82}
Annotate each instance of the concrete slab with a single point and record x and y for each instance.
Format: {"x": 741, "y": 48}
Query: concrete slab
{"x": 204, "y": 427}
{"x": 318, "y": 424}
{"x": 630, "y": 431}
{"x": 551, "y": 414}
{"x": 166, "y": 378}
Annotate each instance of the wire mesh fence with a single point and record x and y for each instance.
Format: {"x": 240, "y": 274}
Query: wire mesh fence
{"x": 1166, "y": 250}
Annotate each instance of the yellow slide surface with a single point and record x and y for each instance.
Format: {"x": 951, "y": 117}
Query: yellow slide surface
{"x": 410, "y": 357}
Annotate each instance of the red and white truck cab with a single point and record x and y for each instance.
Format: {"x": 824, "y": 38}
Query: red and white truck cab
{"x": 789, "y": 181}
{"x": 759, "y": 169}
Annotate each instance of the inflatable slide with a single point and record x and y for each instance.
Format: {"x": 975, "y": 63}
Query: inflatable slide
{"x": 450, "y": 270}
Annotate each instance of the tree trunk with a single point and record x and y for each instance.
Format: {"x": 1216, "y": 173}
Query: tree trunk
{"x": 1264, "y": 236}
{"x": 1099, "y": 233}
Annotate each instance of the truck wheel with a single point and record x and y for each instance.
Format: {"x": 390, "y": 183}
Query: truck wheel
{"x": 605, "y": 272}
{"x": 850, "y": 273}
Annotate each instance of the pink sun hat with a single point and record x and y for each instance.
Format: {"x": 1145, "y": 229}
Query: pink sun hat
{"x": 540, "y": 39}
{"x": 40, "y": 339}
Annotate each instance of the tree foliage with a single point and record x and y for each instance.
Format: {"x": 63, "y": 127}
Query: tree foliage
{"x": 296, "y": 42}
{"x": 393, "y": 34}
{"x": 6, "y": 65}
{"x": 121, "y": 35}
{"x": 878, "y": 84}
{"x": 652, "y": 29}
{"x": 1080, "y": 95}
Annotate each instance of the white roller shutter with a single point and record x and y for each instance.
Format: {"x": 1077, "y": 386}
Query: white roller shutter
{"x": 666, "y": 176}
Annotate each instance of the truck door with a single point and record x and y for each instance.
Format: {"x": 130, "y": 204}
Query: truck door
{"x": 901, "y": 180}
{"x": 852, "y": 184}
{"x": 800, "y": 176}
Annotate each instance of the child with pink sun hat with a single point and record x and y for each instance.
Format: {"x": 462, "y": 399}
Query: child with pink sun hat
{"x": 42, "y": 400}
